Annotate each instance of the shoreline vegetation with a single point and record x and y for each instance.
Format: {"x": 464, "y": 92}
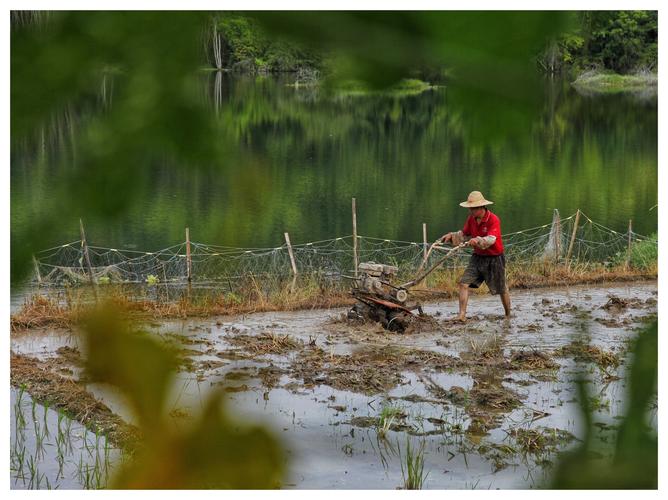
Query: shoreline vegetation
{"x": 612, "y": 83}
{"x": 600, "y": 52}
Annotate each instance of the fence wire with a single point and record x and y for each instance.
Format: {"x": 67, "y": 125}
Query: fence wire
{"x": 327, "y": 262}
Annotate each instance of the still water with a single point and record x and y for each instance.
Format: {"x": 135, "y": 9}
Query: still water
{"x": 297, "y": 155}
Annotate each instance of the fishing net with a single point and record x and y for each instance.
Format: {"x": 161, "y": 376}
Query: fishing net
{"x": 575, "y": 239}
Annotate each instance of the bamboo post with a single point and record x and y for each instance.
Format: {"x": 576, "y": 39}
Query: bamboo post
{"x": 84, "y": 246}
{"x": 557, "y": 236}
{"x": 292, "y": 260}
{"x": 355, "y": 237}
{"x": 628, "y": 248}
{"x": 424, "y": 241}
{"x": 575, "y": 230}
{"x": 38, "y": 275}
{"x": 189, "y": 264}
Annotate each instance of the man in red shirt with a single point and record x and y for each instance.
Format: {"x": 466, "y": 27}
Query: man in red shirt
{"x": 482, "y": 231}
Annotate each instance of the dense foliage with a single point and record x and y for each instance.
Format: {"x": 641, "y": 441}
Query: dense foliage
{"x": 621, "y": 41}
{"x": 247, "y": 47}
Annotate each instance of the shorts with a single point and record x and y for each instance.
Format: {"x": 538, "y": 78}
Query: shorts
{"x": 490, "y": 269}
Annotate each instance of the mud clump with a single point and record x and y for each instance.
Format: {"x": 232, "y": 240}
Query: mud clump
{"x": 613, "y": 323}
{"x": 266, "y": 343}
{"x": 541, "y": 440}
{"x": 493, "y": 397}
{"x": 70, "y": 355}
{"x": 369, "y": 370}
{"x": 581, "y": 351}
{"x": 270, "y": 375}
{"x": 532, "y": 360}
{"x": 616, "y": 304}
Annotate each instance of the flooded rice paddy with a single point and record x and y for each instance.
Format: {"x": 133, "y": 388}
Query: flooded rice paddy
{"x": 486, "y": 404}
{"x": 49, "y": 450}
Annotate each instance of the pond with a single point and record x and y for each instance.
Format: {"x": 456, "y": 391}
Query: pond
{"x": 297, "y": 155}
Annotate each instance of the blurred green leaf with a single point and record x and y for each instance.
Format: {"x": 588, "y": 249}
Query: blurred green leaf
{"x": 212, "y": 451}
{"x": 132, "y": 361}
{"x": 150, "y": 59}
{"x": 634, "y": 463}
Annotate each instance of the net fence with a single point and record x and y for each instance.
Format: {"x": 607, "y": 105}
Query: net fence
{"x": 576, "y": 239}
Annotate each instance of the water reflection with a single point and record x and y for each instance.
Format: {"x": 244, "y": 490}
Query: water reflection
{"x": 300, "y": 153}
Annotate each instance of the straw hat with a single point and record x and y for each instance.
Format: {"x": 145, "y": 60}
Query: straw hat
{"x": 475, "y": 199}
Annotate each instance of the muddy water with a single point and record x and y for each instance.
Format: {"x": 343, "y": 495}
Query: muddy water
{"x": 329, "y": 429}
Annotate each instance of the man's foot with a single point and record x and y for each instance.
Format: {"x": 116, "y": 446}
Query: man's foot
{"x": 457, "y": 319}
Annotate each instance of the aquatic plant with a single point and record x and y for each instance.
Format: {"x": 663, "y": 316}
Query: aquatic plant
{"x": 386, "y": 418}
{"x": 18, "y": 412}
{"x": 413, "y": 474}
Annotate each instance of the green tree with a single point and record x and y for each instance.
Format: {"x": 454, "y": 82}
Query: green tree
{"x": 622, "y": 40}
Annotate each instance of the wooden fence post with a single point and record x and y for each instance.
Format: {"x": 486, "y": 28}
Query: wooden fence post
{"x": 37, "y": 273}
{"x": 84, "y": 246}
{"x": 189, "y": 264}
{"x": 292, "y": 260}
{"x": 628, "y": 248}
{"x": 575, "y": 230}
{"x": 424, "y": 241}
{"x": 355, "y": 237}
{"x": 557, "y": 238}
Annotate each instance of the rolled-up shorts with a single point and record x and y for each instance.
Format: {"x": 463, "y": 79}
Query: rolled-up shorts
{"x": 490, "y": 269}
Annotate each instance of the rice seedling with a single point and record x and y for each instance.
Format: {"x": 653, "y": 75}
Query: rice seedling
{"x": 61, "y": 415}
{"x": 34, "y": 412}
{"x": 85, "y": 442}
{"x": 19, "y": 396}
{"x": 38, "y": 479}
{"x": 388, "y": 415}
{"x": 472, "y": 486}
{"x": 18, "y": 462}
{"x": 46, "y": 424}
{"x": 39, "y": 441}
{"x": 19, "y": 418}
{"x": 32, "y": 469}
{"x": 87, "y": 476}
{"x": 61, "y": 463}
{"x": 80, "y": 469}
{"x": 107, "y": 448}
{"x": 413, "y": 474}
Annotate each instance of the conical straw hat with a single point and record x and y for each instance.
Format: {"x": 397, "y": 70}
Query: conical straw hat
{"x": 475, "y": 199}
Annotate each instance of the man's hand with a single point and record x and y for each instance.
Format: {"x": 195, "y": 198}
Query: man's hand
{"x": 446, "y": 238}
{"x": 473, "y": 242}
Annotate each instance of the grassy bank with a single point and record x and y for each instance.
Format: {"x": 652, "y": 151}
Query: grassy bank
{"x": 70, "y": 306}
{"x": 610, "y": 83}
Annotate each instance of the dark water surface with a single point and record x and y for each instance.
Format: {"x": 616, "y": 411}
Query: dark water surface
{"x": 300, "y": 154}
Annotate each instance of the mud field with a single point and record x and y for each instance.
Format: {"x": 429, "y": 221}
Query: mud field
{"x": 490, "y": 402}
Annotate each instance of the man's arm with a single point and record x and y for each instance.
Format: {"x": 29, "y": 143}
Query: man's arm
{"x": 458, "y": 237}
{"x": 484, "y": 242}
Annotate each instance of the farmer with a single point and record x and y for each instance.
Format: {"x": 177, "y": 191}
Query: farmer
{"x": 482, "y": 231}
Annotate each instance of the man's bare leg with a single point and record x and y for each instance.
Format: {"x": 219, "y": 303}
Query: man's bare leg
{"x": 463, "y": 301}
{"x": 505, "y": 300}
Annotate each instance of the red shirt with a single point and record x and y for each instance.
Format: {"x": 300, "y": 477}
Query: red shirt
{"x": 489, "y": 225}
